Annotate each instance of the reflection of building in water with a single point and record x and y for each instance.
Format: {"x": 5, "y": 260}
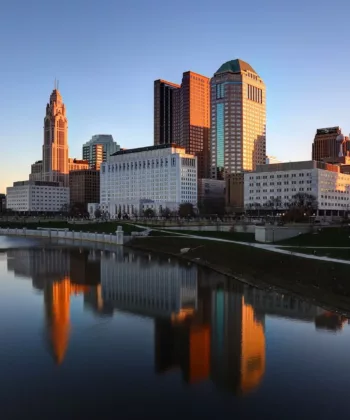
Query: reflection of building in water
{"x": 39, "y": 264}
{"x": 85, "y": 266}
{"x": 238, "y": 342}
{"x": 330, "y": 321}
{"x": 281, "y": 305}
{"x": 227, "y": 346}
{"x": 94, "y": 302}
{"x": 135, "y": 283}
{"x": 57, "y": 296}
{"x": 50, "y": 271}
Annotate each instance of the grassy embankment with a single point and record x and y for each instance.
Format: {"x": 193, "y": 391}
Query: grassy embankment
{"x": 103, "y": 227}
{"x": 323, "y": 281}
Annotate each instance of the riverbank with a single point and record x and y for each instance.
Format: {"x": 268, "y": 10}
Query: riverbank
{"x": 325, "y": 282}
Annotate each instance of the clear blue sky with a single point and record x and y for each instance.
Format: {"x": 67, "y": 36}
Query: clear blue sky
{"x": 107, "y": 53}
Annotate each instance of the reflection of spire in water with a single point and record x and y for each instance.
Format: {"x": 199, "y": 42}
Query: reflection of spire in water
{"x": 57, "y": 303}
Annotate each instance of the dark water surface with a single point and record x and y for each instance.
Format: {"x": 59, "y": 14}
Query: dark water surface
{"x": 125, "y": 335}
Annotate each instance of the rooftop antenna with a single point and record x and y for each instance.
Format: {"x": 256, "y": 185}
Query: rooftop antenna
{"x": 55, "y": 84}
{"x": 58, "y": 83}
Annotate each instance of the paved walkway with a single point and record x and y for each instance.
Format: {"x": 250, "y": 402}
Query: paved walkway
{"x": 266, "y": 247}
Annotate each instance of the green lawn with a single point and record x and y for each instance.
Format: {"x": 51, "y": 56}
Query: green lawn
{"x": 323, "y": 236}
{"x": 341, "y": 254}
{"x": 106, "y": 227}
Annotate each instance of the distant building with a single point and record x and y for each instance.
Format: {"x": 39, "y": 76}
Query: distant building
{"x": 36, "y": 172}
{"x": 211, "y": 196}
{"x": 77, "y": 165}
{"x": 2, "y": 203}
{"x": 84, "y": 186}
{"x": 234, "y": 193}
{"x": 164, "y": 112}
{"x": 280, "y": 182}
{"x": 272, "y": 159}
{"x": 99, "y": 149}
{"x": 238, "y": 119}
{"x": 182, "y": 116}
{"x": 155, "y": 177}
{"x": 330, "y": 143}
{"x": 37, "y": 196}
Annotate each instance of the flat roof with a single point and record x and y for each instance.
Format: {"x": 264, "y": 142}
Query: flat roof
{"x": 148, "y": 149}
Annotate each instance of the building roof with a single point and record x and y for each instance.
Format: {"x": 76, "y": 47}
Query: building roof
{"x": 148, "y": 149}
{"x": 235, "y": 66}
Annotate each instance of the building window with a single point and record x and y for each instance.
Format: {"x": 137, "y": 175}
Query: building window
{"x": 220, "y": 91}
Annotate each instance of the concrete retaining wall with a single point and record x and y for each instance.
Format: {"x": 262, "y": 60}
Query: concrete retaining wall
{"x": 270, "y": 234}
{"x": 116, "y": 239}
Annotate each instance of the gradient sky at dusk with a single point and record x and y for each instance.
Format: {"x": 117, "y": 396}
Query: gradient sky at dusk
{"x": 106, "y": 55}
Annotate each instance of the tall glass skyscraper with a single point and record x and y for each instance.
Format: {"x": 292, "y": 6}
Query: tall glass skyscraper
{"x": 238, "y": 119}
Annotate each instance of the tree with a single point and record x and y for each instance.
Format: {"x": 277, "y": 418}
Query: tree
{"x": 149, "y": 213}
{"x": 301, "y": 207}
{"x": 165, "y": 212}
{"x": 186, "y": 210}
{"x": 98, "y": 213}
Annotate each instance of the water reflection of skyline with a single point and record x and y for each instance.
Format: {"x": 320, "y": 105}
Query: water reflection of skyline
{"x": 209, "y": 327}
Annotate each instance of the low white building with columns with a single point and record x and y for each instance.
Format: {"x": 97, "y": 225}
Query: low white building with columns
{"x": 155, "y": 177}
{"x": 281, "y": 181}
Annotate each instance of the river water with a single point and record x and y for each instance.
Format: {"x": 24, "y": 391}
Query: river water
{"x": 86, "y": 333}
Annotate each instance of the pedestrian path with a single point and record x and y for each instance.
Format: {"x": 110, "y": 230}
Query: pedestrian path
{"x": 266, "y": 247}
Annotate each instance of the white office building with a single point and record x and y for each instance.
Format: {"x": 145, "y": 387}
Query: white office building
{"x": 37, "y": 196}
{"x": 155, "y": 177}
{"x": 280, "y": 182}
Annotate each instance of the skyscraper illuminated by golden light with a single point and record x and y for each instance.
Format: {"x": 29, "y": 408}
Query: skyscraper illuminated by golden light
{"x": 238, "y": 119}
{"x": 182, "y": 116}
{"x": 55, "y": 148}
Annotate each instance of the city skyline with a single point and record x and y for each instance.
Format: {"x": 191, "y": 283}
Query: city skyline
{"x": 99, "y": 98}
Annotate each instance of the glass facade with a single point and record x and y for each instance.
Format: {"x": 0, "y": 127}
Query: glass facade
{"x": 220, "y": 138}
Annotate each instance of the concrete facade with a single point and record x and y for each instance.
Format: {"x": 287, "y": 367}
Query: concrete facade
{"x": 280, "y": 182}
{"x": 150, "y": 177}
{"x": 37, "y": 196}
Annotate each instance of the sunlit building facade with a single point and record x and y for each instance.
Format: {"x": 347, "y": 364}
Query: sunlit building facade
{"x": 55, "y": 148}
{"x": 330, "y": 143}
{"x": 182, "y": 116}
{"x": 280, "y": 182}
{"x": 238, "y": 119}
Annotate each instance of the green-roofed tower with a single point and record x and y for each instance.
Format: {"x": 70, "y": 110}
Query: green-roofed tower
{"x": 238, "y": 119}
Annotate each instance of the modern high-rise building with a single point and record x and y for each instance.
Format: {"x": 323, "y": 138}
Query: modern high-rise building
{"x": 164, "y": 111}
{"x": 238, "y": 119}
{"x": 99, "y": 149}
{"x": 182, "y": 116}
{"x": 84, "y": 186}
{"x": 330, "y": 143}
{"x": 55, "y": 148}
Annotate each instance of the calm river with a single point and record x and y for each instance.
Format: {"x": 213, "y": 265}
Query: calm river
{"x": 87, "y": 334}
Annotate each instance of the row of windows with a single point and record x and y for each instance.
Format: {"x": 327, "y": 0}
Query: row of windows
{"x": 280, "y": 176}
{"x": 139, "y": 165}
